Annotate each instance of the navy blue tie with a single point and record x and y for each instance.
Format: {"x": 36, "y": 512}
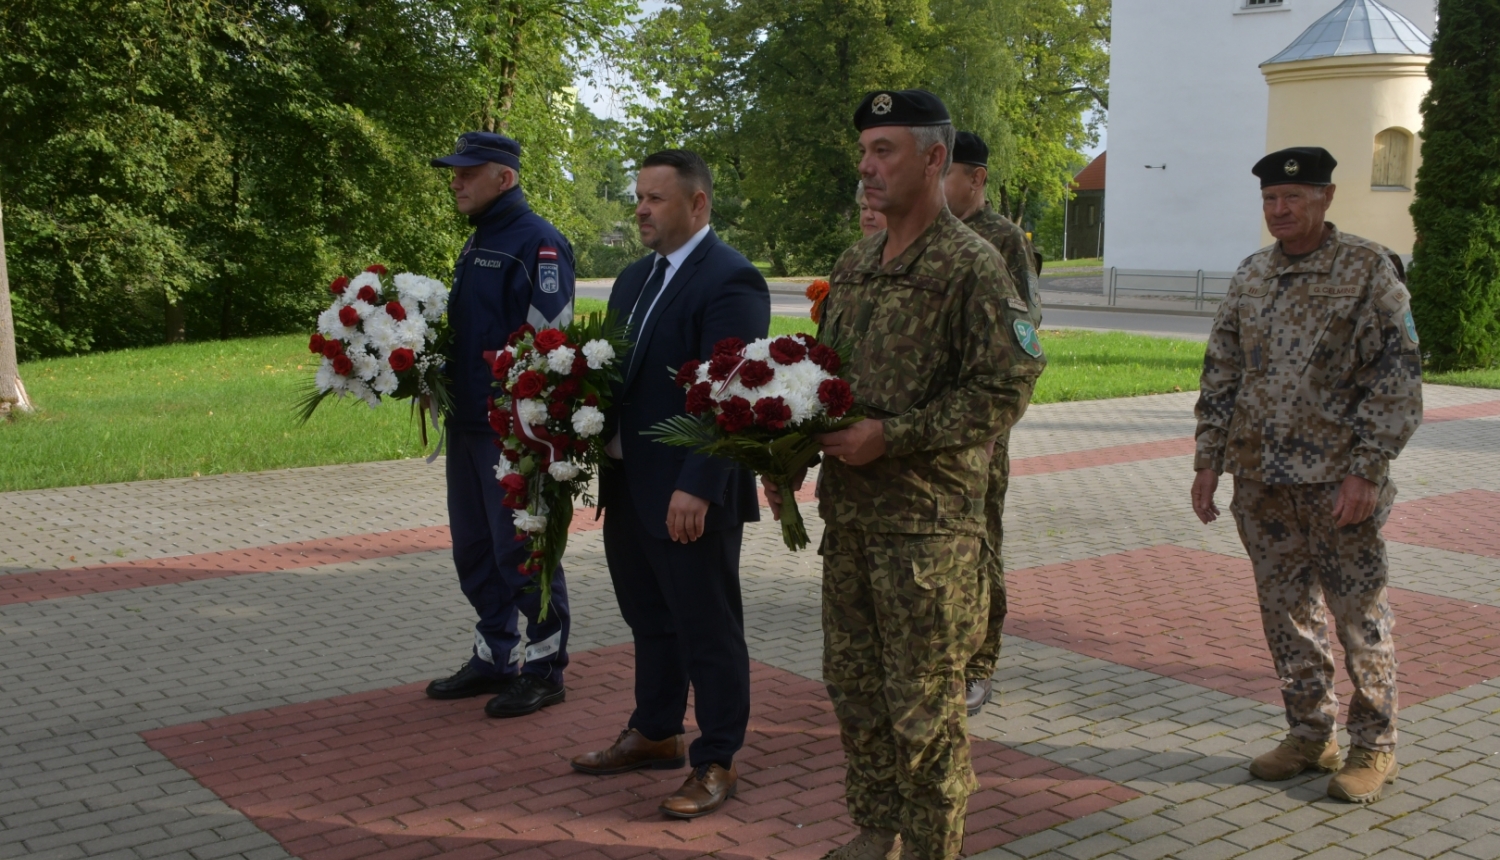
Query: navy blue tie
{"x": 643, "y": 307}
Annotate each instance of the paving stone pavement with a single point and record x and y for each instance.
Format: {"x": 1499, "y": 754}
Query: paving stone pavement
{"x": 86, "y": 678}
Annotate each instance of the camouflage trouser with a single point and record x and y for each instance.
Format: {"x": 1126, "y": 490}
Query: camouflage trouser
{"x": 901, "y": 615}
{"x": 984, "y": 662}
{"x": 1304, "y": 568}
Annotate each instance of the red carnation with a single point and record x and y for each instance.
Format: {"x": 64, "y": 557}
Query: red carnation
{"x": 397, "y": 312}
{"x": 566, "y": 389}
{"x": 721, "y": 365}
{"x": 518, "y": 334}
{"x": 529, "y": 384}
{"x": 342, "y": 365}
{"x": 736, "y": 415}
{"x": 549, "y": 339}
{"x": 835, "y": 396}
{"x": 688, "y": 373}
{"x": 332, "y": 348}
{"x": 591, "y": 400}
{"x": 377, "y": 269}
{"x": 502, "y": 364}
{"x": 514, "y": 483}
{"x": 786, "y": 350}
{"x": 825, "y": 357}
{"x": 580, "y": 365}
{"x": 338, "y": 285}
{"x": 316, "y": 343}
{"x": 772, "y": 413}
{"x": 367, "y": 294}
{"x": 500, "y": 422}
{"x": 700, "y": 399}
{"x": 729, "y": 346}
{"x": 402, "y": 359}
{"x": 513, "y": 456}
{"x": 348, "y": 315}
{"x": 754, "y": 374}
{"x": 559, "y": 410}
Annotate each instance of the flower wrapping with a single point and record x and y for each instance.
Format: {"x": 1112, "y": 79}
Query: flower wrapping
{"x": 381, "y": 337}
{"x": 763, "y": 405}
{"x": 552, "y": 387}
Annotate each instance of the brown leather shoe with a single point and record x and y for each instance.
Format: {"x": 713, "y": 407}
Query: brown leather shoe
{"x": 706, "y": 789}
{"x": 633, "y": 751}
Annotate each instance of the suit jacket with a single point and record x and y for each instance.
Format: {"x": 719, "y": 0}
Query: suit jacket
{"x": 716, "y": 294}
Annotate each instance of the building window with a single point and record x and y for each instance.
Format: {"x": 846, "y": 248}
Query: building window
{"x": 1392, "y": 159}
{"x": 1259, "y": 4}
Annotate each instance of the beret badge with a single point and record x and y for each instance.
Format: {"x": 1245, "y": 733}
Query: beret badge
{"x": 1291, "y": 167}
{"x": 460, "y": 146}
{"x": 882, "y": 104}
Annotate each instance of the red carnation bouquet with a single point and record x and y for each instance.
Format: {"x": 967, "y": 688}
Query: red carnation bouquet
{"x": 762, "y": 405}
{"x": 552, "y": 388}
{"x": 380, "y": 339}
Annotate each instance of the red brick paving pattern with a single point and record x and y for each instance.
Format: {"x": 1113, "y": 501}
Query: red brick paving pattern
{"x": 1192, "y": 616}
{"x": 1468, "y": 522}
{"x": 392, "y": 774}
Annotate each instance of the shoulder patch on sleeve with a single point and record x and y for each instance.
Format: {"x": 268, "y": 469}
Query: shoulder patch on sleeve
{"x": 1026, "y": 336}
{"x": 546, "y": 253}
{"x": 548, "y": 280}
{"x": 1395, "y": 300}
{"x": 1016, "y": 304}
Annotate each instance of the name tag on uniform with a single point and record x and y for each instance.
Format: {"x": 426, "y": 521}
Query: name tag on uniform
{"x": 1016, "y": 304}
{"x": 1334, "y": 290}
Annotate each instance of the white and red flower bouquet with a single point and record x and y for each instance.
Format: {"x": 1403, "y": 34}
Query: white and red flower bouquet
{"x": 763, "y": 405}
{"x": 381, "y": 339}
{"x": 552, "y": 389}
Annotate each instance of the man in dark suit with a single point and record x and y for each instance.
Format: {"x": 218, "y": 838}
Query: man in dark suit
{"x": 674, "y": 519}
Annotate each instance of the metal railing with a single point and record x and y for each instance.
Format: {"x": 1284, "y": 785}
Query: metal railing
{"x": 1202, "y": 286}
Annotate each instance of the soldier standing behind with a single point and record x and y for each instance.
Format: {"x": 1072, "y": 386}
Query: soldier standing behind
{"x": 902, "y": 492}
{"x": 964, "y": 189}
{"x": 1311, "y": 385}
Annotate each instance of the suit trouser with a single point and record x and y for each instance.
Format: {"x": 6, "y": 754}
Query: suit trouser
{"x": 901, "y": 616}
{"x": 487, "y": 555}
{"x": 1305, "y": 567}
{"x": 682, "y": 602}
{"x": 984, "y": 662}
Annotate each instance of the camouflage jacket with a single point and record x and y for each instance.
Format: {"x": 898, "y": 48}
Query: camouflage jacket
{"x": 1312, "y": 372}
{"x": 943, "y": 387}
{"x": 1010, "y": 240}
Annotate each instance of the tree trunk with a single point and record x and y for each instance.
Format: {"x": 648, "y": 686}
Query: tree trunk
{"x": 176, "y": 322}
{"x": 12, "y": 392}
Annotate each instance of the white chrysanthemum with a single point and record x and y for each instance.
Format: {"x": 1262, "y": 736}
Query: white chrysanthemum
{"x": 327, "y": 380}
{"x": 365, "y": 365}
{"x": 532, "y": 412}
{"x": 804, "y": 405}
{"x": 329, "y": 325}
{"x": 363, "y": 279}
{"x": 703, "y": 371}
{"x": 759, "y": 350}
{"x": 385, "y": 381}
{"x": 588, "y": 421}
{"x": 598, "y": 353}
{"x": 365, "y": 309}
{"x": 412, "y": 333}
{"x": 380, "y": 331}
{"x": 359, "y": 389}
{"x": 562, "y": 470}
{"x": 531, "y": 523}
{"x": 502, "y": 469}
{"x": 560, "y": 360}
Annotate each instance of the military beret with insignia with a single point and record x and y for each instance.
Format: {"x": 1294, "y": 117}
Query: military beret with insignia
{"x": 900, "y": 107}
{"x": 1299, "y": 165}
{"x": 969, "y": 148}
{"x": 477, "y": 147}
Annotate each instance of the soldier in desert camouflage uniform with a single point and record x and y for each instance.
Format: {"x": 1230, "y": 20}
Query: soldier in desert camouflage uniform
{"x": 964, "y": 190}
{"x": 902, "y": 494}
{"x": 1311, "y": 385}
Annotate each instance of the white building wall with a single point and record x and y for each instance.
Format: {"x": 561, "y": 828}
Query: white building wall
{"x": 1186, "y": 91}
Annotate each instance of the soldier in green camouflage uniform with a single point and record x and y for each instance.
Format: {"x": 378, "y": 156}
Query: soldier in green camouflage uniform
{"x": 964, "y": 190}
{"x": 1311, "y": 385}
{"x": 902, "y": 493}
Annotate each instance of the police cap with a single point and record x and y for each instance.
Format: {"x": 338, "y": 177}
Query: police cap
{"x": 477, "y": 147}
{"x": 969, "y": 148}
{"x": 900, "y": 107}
{"x": 1299, "y": 165}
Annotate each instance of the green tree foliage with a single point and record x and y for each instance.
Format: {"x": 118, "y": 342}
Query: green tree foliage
{"x": 200, "y": 168}
{"x": 1455, "y": 277}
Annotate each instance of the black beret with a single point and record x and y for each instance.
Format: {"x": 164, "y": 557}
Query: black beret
{"x": 476, "y": 147}
{"x": 1299, "y": 165}
{"x": 900, "y": 107}
{"x": 969, "y": 148}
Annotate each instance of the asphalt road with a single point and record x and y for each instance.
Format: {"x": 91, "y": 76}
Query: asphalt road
{"x": 1053, "y": 316}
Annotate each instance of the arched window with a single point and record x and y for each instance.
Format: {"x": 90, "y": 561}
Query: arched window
{"x": 1392, "y": 159}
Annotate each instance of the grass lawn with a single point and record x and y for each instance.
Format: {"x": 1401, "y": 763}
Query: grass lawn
{"x": 1489, "y": 378}
{"x": 1077, "y": 263}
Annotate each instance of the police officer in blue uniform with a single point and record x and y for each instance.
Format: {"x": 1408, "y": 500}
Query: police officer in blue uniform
{"x": 515, "y": 269}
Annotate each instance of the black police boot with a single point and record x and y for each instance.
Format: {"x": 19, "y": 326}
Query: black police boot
{"x": 525, "y": 695}
{"x": 466, "y": 683}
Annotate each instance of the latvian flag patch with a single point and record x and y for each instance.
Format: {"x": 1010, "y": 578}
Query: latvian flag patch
{"x": 545, "y": 253}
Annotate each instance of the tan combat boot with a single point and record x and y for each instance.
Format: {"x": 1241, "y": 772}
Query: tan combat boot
{"x": 872, "y": 843}
{"x": 1364, "y": 776}
{"x": 1294, "y": 756}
